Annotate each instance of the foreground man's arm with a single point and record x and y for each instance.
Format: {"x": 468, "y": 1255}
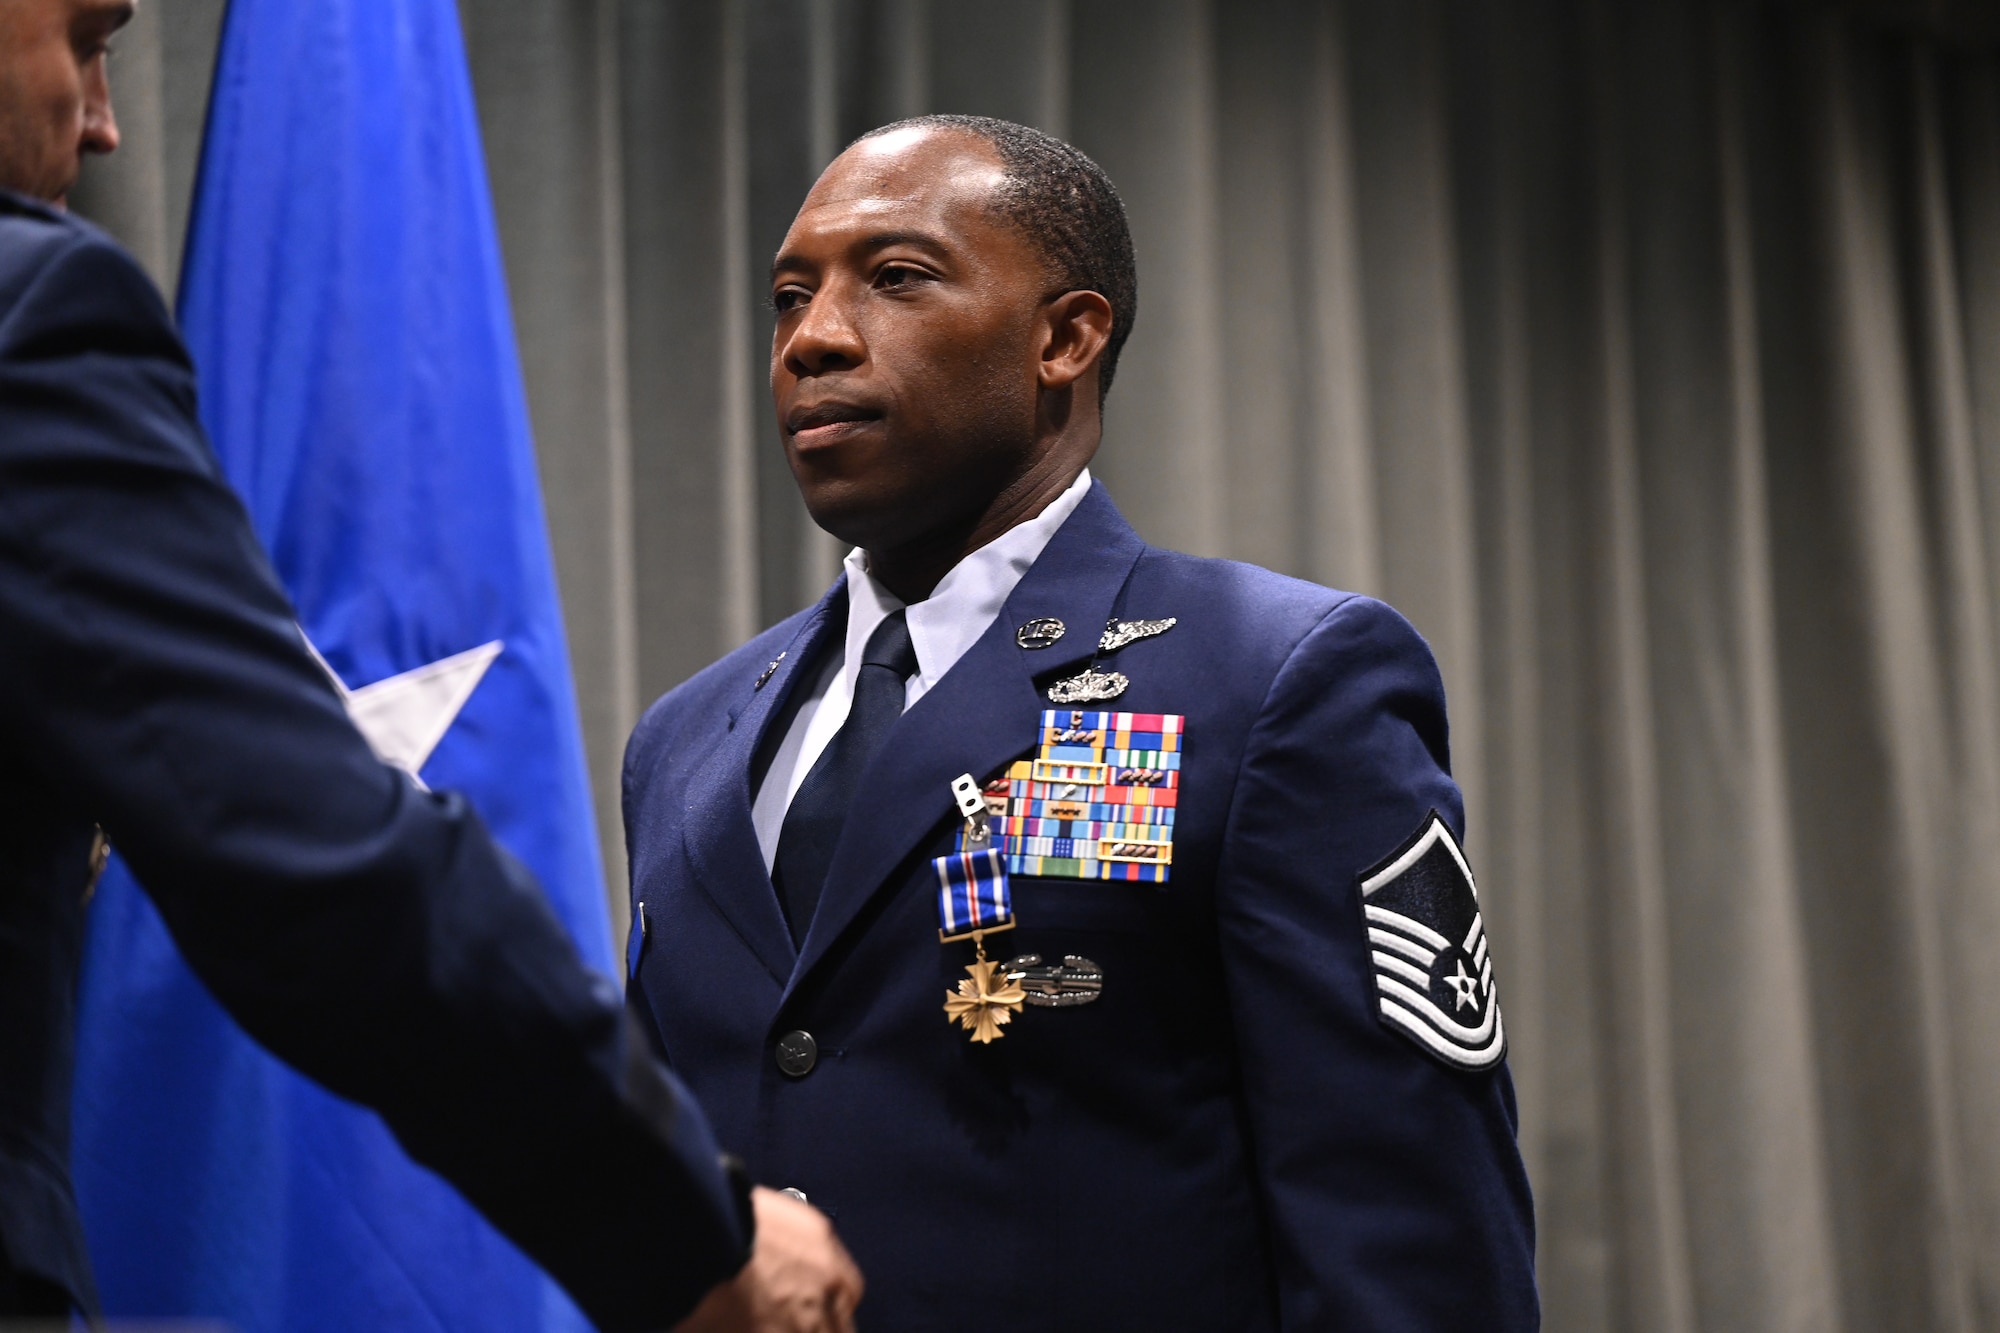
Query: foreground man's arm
{"x": 369, "y": 933}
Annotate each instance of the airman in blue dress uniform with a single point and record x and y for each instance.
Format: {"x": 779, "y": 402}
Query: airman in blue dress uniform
{"x": 1083, "y": 925}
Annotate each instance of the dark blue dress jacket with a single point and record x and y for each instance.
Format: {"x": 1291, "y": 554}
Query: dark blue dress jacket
{"x": 1229, "y": 1138}
{"x": 152, "y": 681}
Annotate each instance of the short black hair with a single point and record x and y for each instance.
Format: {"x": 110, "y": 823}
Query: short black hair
{"x": 1065, "y": 204}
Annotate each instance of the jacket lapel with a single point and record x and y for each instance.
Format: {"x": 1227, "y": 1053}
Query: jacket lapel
{"x": 984, "y": 713}
{"x": 720, "y": 838}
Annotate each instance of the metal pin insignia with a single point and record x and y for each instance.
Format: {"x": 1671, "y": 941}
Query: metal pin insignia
{"x": 1039, "y": 633}
{"x": 768, "y": 672}
{"x": 1074, "y": 981}
{"x": 1121, "y": 632}
{"x": 1089, "y": 686}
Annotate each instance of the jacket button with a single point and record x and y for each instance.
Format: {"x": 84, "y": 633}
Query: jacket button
{"x": 797, "y": 1053}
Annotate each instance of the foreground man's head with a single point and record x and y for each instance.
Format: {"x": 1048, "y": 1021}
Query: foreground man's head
{"x": 55, "y": 100}
{"x": 951, "y": 300}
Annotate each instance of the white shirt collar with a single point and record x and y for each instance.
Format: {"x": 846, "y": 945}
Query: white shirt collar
{"x": 966, "y": 600}
{"x": 942, "y": 627}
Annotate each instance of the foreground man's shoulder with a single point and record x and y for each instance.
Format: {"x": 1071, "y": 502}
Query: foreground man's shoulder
{"x": 32, "y": 233}
{"x": 23, "y": 219}
{"x": 55, "y": 260}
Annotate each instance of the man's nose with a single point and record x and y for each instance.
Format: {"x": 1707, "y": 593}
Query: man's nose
{"x": 100, "y": 125}
{"x": 825, "y": 337}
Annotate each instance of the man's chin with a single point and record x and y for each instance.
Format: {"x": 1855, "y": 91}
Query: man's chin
{"x": 854, "y": 518}
{"x": 840, "y": 525}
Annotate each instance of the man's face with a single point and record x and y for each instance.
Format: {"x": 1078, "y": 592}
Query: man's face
{"x": 904, "y": 362}
{"x": 55, "y": 104}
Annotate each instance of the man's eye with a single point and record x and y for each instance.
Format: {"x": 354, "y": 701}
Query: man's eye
{"x": 898, "y": 275}
{"x": 787, "y": 298}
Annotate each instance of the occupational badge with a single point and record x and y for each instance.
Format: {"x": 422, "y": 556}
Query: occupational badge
{"x": 1088, "y": 686}
{"x": 1433, "y": 973}
{"x": 1121, "y": 632}
{"x": 1074, "y": 981}
{"x": 1039, "y": 633}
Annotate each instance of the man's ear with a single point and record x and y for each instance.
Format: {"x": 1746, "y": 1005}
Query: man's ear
{"x": 1077, "y": 327}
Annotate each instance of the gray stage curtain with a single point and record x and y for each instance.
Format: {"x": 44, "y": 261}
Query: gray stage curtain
{"x": 1647, "y": 355}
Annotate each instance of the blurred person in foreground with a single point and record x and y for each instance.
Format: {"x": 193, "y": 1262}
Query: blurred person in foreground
{"x": 156, "y": 691}
{"x": 1083, "y": 924}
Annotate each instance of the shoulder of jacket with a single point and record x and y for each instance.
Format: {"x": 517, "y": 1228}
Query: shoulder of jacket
{"x": 41, "y": 246}
{"x": 1270, "y": 603}
{"x": 31, "y": 238}
{"x": 1274, "y": 623}
{"x": 34, "y": 211}
{"x": 37, "y": 231}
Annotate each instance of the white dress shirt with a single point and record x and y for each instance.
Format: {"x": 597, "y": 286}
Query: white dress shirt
{"x": 942, "y": 627}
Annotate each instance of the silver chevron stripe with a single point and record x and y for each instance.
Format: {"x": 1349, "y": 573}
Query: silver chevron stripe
{"x": 1121, "y": 632}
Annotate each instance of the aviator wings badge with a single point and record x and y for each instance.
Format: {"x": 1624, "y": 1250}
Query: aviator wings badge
{"x": 1121, "y": 632}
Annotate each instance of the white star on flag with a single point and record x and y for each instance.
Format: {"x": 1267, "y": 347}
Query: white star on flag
{"x": 405, "y": 716}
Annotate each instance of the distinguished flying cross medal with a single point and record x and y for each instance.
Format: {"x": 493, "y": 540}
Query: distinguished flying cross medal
{"x": 974, "y": 902}
{"x": 985, "y": 1000}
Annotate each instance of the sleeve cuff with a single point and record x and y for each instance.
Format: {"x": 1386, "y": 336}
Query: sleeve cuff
{"x": 739, "y": 1192}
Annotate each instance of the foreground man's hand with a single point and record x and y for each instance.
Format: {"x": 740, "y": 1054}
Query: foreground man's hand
{"x": 799, "y": 1278}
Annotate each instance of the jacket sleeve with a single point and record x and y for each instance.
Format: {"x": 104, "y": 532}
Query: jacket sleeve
{"x": 366, "y": 931}
{"x": 1394, "y": 1192}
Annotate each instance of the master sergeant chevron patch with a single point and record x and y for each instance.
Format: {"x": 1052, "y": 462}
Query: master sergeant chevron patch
{"x": 1433, "y": 972}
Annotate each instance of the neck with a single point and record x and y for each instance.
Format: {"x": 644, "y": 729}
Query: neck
{"x": 1068, "y": 426}
{"x": 913, "y": 569}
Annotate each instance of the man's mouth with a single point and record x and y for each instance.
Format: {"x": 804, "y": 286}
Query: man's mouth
{"x": 822, "y": 424}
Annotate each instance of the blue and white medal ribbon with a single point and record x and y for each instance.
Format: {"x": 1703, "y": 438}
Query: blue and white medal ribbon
{"x": 973, "y": 897}
{"x": 974, "y": 901}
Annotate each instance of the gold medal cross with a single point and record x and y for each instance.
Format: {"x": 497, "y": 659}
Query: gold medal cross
{"x": 981, "y": 1005}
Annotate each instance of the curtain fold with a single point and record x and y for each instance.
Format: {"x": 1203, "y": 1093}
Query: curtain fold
{"x": 1646, "y": 353}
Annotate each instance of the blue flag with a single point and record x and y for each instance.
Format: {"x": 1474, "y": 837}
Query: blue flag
{"x": 344, "y": 302}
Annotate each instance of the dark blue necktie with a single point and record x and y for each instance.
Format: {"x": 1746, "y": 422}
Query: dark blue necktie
{"x": 812, "y": 823}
